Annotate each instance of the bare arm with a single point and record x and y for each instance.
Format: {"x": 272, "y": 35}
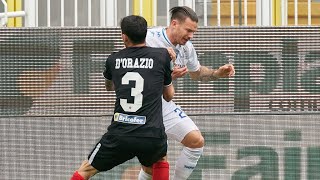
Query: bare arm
{"x": 168, "y": 92}
{"x": 207, "y": 74}
{"x": 109, "y": 85}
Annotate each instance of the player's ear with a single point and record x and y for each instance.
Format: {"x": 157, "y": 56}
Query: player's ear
{"x": 124, "y": 38}
{"x": 173, "y": 22}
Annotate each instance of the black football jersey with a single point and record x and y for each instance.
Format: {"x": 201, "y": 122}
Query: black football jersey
{"x": 139, "y": 75}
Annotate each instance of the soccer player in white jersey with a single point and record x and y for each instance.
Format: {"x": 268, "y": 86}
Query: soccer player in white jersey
{"x": 178, "y": 126}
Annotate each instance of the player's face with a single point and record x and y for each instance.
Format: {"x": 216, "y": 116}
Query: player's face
{"x": 185, "y": 31}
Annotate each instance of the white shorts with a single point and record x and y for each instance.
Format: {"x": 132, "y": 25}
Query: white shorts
{"x": 177, "y": 124}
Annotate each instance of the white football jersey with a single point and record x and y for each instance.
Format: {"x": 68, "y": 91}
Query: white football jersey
{"x": 186, "y": 56}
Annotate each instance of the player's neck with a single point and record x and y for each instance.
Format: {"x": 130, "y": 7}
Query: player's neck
{"x": 135, "y": 45}
{"x": 170, "y": 36}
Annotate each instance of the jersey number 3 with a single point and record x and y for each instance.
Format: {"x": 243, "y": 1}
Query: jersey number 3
{"x": 135, "y": 92}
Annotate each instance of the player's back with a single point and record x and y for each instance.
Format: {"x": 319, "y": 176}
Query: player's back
{"x": 139, "y": 75}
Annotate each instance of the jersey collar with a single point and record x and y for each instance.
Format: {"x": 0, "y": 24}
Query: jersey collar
{"x": 166, "y": 38}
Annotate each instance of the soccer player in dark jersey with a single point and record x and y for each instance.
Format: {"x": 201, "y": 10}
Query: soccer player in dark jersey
{"x": 140, "y": 76}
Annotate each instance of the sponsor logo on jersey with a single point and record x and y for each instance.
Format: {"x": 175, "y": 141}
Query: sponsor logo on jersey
{"x": 129, "y": 119}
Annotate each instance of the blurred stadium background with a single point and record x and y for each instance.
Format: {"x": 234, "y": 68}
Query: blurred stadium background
{"x": 261, "y": 124}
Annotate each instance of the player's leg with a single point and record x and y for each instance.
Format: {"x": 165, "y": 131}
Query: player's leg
{"x": 190, "y": 154}
{"x": 158, "y": 171}
{"x": 104, "y": 156}
{"x": 182, "y": 129}
{"x": 84, "y": 172}
{"x": 153, "y": 160}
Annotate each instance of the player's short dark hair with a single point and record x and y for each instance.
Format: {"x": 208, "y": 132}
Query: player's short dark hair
{"x": 135, "y": 27}
{"x": 182, "y": 12}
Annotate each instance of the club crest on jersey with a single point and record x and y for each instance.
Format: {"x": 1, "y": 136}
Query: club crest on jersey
{"x": 129, "y": 119}
{"x": 143, "y": 63}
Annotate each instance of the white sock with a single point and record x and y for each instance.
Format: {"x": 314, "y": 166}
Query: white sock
{"x": 144, "y": 176}
{"x": 187, "y": 162}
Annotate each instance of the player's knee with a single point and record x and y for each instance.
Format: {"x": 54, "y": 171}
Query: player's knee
{"x": 193, "y": 139}
{"x": 199, "y": 142}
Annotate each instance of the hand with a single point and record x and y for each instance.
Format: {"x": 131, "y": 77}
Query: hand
{"x": 226, "y": 70}
{"x": 172, "y": 54}
{"x": 179, "y": 72}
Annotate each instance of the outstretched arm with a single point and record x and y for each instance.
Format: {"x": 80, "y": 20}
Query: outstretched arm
{"x": 207, "y": 74}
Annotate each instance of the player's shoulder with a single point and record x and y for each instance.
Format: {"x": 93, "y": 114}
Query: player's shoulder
{"x": 155, "y": 29}
{"x": 117, "y": 54}
{"x": 157, "y": 51}
{"x": 155, "y": 32}
{"x": 114, "y": 54}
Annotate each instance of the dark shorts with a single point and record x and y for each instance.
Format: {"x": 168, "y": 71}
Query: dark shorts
{"x": 113, "y": 150}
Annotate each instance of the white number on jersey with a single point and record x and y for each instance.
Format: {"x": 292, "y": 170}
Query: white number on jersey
{"x": 135, "y": 92}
